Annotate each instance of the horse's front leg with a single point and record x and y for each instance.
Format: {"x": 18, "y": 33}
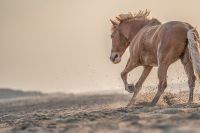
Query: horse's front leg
{"x": 129, "y": 66}
{"x": 138, "y": 85}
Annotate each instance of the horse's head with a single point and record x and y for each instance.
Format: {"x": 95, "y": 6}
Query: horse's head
{"x": 119, "y": 42}
{"x": 124, "y": 29}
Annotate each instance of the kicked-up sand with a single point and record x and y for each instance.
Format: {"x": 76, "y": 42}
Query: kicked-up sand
{"x": 105, "y": 113}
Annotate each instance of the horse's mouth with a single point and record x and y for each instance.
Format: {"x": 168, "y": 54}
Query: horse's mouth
{"x": 116, "y": 61}
{"x": 115, "y": 58}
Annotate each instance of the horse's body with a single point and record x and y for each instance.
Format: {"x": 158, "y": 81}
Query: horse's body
{"x": 154, "y": 44}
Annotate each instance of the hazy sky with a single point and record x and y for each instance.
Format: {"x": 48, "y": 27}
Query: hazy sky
{"x": 64, "y": 45}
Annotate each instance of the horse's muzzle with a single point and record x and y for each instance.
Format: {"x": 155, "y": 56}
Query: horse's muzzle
{"x": 115, "y": 58}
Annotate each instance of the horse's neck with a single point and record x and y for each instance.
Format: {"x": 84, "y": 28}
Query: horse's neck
{"x": 150, "y": 23}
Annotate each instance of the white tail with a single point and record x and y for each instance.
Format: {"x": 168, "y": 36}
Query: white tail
{"x": 194, "y": 50}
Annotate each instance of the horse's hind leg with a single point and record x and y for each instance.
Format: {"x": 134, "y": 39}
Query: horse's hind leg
{"x": 162, "y": 76}
{"x": 138, "y": 85}
{"x": 130, "y": 66}
{"x": 190, "y": 74}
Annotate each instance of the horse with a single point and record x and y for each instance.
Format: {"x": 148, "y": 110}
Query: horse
{"x": 153, "y": 44}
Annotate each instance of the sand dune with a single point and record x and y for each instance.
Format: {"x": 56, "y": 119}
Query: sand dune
{"x": 7, "y": 93}
{"x": 100, "y": 114}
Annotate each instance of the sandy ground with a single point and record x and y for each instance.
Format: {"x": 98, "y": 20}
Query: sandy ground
{"x": 100, "y": 114}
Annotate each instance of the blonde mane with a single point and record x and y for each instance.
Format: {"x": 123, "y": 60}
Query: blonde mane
{"x": 131, "y": 16}
{"x": 138, "y": 15}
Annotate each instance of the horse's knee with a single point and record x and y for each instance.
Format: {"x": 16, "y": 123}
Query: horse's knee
{"x": 123, "y": 75}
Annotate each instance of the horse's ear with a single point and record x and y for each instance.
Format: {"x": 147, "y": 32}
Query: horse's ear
{"x": 118, "y": 18}
{"x": 113, "y": 22}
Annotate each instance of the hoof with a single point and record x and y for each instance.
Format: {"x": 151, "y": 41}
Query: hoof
{"x": 153, "y": 104}
{"x": 129, "y": 107}
{"x": 130, "y": 88}
{"x": 189, "y": 102}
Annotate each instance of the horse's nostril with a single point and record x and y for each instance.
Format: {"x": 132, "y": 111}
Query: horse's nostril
{"x": 116, "y": 56}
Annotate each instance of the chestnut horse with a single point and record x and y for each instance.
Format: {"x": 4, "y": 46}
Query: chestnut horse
{"x": 154, "y": 44}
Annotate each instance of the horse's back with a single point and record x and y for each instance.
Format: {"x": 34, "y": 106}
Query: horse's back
{"x": 173, "y": 31}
